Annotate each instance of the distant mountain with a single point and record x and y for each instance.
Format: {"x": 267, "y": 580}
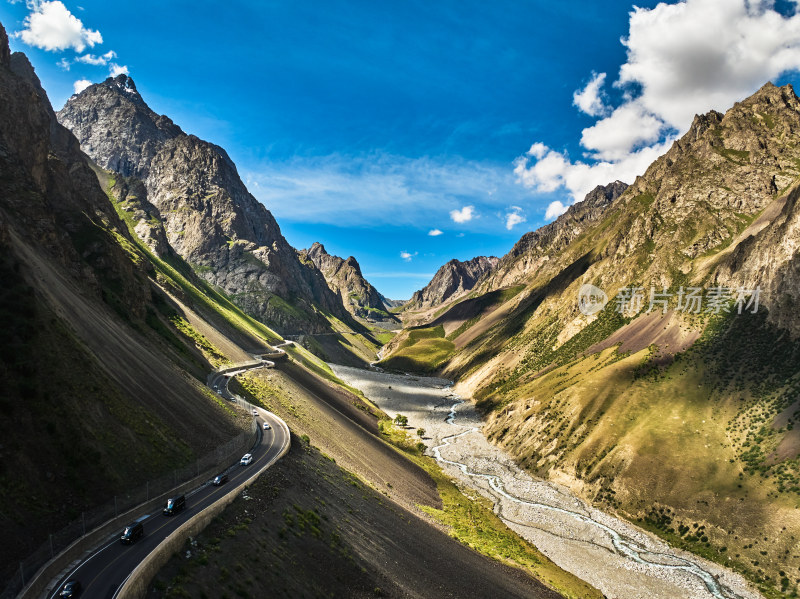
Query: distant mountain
{"x": 191, "y": 189}
{"x": 451, "y": 280}
{"x": 344, "y": 277}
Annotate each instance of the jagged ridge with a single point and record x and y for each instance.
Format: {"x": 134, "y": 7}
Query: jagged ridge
{"x": 452, "y": 279}
{"x": 344, "y": 277}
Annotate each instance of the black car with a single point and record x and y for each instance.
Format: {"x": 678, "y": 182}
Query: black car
{"x": 175, "y": 505}
{"x": 71, "y": 589}
{"x": 219, "y": 480}
{"x": 132, "y": 533}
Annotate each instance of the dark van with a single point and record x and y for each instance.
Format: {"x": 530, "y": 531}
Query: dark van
{"x": 219, "y": 480}
{"x": 175, "y": 505}
{"x": 132, "y": 533}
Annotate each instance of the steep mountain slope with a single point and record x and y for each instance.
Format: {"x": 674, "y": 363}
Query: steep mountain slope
{"x": 451, "y": 280}
{"x": 192, "y": 189}
{"x": 101, "y": 389}
{"x": 695, "y": 413}
{"x": 344, "y": 278}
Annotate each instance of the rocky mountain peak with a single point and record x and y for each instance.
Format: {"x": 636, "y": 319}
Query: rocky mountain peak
{"x": 353, "y": 263}
{"x": 123, "y": 82}
{"x": 116, "y": 127}
{"x": 702, "y": 123}
{"x": 344, "y": 278}
{"x": 124, "y": 85}
{"x": 192, "y": 189}
{"x": 769, "y": 93}
{"x": 601, "y": 196}
{"x": 452, "y": 279}
{"x": 317, "y": 250}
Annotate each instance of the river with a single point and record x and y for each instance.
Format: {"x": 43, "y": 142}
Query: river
{"x": 620, "y": 559}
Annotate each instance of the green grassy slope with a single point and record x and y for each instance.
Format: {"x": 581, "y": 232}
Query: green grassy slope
{"x": 689, "y": 449}
{"x": 419, "y": 350}
{"x": 325, "y": 500}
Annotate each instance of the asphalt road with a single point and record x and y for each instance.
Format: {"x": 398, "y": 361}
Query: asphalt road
{"x": 102, "y": 573}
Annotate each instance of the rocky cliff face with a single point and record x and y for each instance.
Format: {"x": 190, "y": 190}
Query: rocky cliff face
{"x": 193, "y": 189}
{"x": 344, "y": 277}
{"x": 452, "y": 279}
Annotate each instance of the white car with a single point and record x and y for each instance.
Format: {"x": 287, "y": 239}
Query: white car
{"x": 246, "y": 459}
{"x": 267, "y": 426}
{"x": 255, "y": 413}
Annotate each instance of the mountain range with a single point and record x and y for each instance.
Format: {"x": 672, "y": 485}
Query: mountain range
{"x": 643, "y": 348}
{"x": 344, "y": 277}
{"x": 118, "y": 304}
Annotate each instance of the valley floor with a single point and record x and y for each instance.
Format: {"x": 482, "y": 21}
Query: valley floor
{"x": 616, "y": 557}
{"x": 341, "y": 515}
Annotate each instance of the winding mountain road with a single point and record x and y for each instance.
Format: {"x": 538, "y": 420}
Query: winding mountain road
{"x": 103, "y": 573}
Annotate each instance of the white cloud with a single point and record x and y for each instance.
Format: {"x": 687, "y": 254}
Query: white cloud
{"x": 589, "y": 99}
{"x": 408, "y": 256}
{"x": 538, "y": 150}
{"x": 80, "y": 85}
{"x": 554, "y": 210}
{"x": 101, "y": 60}
{"x": 514, "y": 217}
{"x": 464, "y": 215}
{"x": 435, "y": 232}
{"x": 628, "y": 127}
{"x": 114, "y": 69}
{"x": 683, "y": 59}
{"x": 64, "y": 63}
{"x": 697, "y": 55}
{"x": 556, "y": 171}
{"x": 51, "y": 26}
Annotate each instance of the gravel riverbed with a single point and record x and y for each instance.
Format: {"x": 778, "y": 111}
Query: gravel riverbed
{"x": 620, "y": 559}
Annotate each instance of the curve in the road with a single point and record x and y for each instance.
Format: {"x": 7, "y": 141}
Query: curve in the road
{"x": 219, "y": 379}
{"x": 108, "y": 571}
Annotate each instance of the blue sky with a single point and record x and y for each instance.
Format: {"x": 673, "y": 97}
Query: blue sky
{"x": 368, "y": 126}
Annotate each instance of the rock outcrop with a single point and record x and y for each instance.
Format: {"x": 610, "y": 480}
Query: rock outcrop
{"x": 344, "y": 277}
{"x": 210, "y": 219}
{"x": 451, "y": 280}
